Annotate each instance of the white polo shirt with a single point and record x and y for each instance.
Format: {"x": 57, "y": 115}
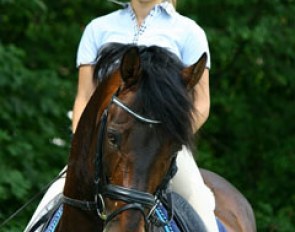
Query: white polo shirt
{"x": 163, "y": 27}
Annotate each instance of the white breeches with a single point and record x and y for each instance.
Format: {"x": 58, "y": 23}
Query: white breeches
{"x": 46, "y": 203}
{"x": 187, "y": 182}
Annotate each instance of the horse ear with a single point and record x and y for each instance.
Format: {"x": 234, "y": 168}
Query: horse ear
{"x": 130, "y": 67}
{"x": 192, "y": 74}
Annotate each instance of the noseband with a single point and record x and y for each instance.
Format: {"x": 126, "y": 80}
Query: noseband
{"x": 133, "y": 199}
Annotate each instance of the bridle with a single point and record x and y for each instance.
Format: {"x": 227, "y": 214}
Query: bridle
{"x": 134, "y": 199}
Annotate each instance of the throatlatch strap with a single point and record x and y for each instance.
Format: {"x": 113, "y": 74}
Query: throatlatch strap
{"x": 169, "y": 175}
{"x": 84, "y": 205}
{"x": 164, "y": 186}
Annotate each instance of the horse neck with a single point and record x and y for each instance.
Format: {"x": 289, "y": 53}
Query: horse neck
{"x": 80, "y": 173}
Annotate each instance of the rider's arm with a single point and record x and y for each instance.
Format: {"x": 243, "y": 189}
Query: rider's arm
{"x": 194, "y": 46}
{"x": 86, "y": 87}
{"x": 201, "y": 101}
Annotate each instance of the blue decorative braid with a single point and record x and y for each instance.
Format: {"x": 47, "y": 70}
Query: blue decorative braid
{"x": 161, "y": 213}
{"x": 55, "y": 220}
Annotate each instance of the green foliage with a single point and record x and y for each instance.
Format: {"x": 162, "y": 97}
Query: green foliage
{"x": 33, "y": 114}
{"x": 249, "y": 137}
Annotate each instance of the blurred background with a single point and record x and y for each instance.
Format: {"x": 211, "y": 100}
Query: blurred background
{"x": 249, "y": 138}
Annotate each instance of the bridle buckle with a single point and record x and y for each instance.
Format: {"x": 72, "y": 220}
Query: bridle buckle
{"x": 101, "y": 208}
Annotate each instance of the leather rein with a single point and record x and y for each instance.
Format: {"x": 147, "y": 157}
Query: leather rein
{"x": 134, "y": 199}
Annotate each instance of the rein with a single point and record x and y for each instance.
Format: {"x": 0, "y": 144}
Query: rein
{"x": 134, "y": 199}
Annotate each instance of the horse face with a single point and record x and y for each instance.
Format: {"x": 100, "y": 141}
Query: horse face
{"x": 137, "y": 154}
{"x": 135, "y": 158}
{"x": 134, "y": 149}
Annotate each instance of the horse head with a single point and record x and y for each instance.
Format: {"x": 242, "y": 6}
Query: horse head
{"x": 139, "y": 117}
{"x": 148, "y": 120}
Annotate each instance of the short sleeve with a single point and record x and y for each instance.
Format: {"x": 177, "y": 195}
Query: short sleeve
{"x": 195, "y": 45}
{"x": 87, "y": 50}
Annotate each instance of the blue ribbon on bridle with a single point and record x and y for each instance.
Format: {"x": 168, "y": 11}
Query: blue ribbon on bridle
{"x": 160, "y": 212}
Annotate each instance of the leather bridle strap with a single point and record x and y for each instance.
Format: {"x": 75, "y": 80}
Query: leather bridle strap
{"x": 134, "y": 206}
{"x": 128, "y": 195}
{"x": 83, "y": 205}
{"x": 99, "y": 171}
{"x": 139, "y": 117}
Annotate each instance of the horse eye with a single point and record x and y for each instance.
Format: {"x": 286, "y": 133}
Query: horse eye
{"x": 113, "y": 138}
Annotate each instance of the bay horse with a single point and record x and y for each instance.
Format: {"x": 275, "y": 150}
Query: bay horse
{"x": 124, "y": 150}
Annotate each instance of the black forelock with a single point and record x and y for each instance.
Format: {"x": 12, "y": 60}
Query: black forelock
{"x": 161, "y": 93}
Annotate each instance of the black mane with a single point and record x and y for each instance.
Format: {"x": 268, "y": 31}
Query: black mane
{"x": 161, "y": 89}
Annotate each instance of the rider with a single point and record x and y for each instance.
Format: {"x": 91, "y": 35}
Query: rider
{"x": 150, "y": 22}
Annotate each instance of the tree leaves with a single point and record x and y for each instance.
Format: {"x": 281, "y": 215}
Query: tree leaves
{"x": 249, "y": 137}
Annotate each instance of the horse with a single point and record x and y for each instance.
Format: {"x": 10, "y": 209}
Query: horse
{"x": 232, "y": 208}
{"x": 124, "y": 150}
